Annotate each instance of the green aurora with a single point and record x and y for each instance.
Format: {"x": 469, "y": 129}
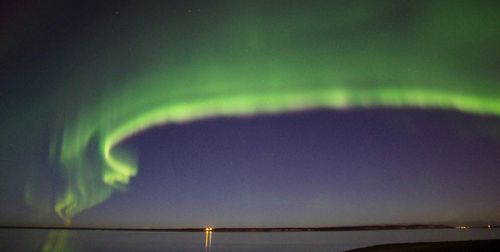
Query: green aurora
{"x": 156, "y": 66}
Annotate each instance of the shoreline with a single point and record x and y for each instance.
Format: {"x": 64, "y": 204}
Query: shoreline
{"x": 471, "y": 245}
{"x": 272, "y": 229}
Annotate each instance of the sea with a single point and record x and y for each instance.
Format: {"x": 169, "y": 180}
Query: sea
{"x": 99, "y": 240}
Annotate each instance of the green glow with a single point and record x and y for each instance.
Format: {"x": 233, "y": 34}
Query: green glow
{"x": 264, "y": 58}
{"x": 57, "y": 241}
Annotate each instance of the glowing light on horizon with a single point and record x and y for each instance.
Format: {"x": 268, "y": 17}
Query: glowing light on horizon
{"x": 208, "y": 238}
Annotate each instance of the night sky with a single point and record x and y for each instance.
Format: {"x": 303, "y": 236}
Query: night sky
{"x": 249, "y": 113}
{"x": 311, "y": 168}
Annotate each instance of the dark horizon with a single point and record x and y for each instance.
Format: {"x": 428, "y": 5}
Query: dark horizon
{"x": 253, "y": 229}
{"x": 320, "y": 227}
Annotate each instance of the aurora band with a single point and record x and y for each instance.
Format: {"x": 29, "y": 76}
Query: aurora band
{"x": 262, "y": 62}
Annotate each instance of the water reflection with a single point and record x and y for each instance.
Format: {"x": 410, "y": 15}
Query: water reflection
{"x": 208, "y": 239}
{"x": 57, "y": 241}
{"x": 32, "y": 240}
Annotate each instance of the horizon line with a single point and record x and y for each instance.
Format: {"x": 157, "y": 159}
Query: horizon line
{"x": 257, "y": 229}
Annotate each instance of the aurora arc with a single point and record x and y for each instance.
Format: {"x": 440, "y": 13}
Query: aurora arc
{"x": 263, "y": 59}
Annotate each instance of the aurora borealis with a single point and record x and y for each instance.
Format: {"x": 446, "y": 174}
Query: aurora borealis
{"x": 82, "y": 79}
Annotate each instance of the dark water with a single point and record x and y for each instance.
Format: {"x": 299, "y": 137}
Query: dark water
{"x": 45, "y": 240}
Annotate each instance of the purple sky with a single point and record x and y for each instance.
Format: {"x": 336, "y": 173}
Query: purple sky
{"x": 313, "y": 168}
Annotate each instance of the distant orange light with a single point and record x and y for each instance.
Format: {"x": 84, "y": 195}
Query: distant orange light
{"x": 208, "y": 238}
